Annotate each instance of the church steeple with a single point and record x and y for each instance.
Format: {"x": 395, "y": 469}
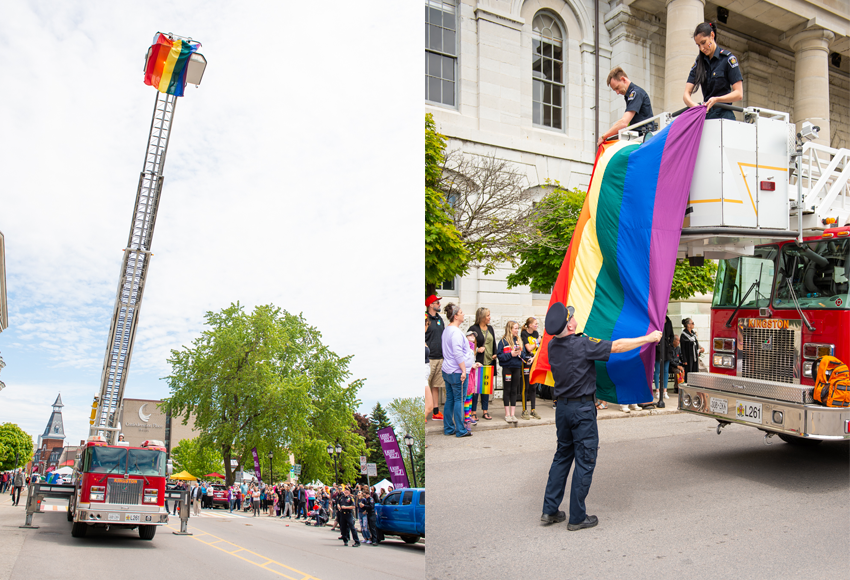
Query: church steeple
{"x": 55, "y": 429}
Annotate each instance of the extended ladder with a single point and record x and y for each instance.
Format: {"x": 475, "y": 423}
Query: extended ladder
{"x": 134, "y": 269}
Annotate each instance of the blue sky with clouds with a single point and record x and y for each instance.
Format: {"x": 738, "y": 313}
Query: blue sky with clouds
{"x": 292, "y": 178}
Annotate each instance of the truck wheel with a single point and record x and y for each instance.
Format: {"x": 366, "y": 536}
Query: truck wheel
{"x": 799, "y": 441}
{"x": 410, "y": 539}
{"x": 70, "y": 512}
{"x": 147, "y": 532}
{"x": 79, "y": 529}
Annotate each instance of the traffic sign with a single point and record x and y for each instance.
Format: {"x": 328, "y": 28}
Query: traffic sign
{"x": 372, "y": 469}
{"x": 296, "y": 469}
{"x": 362, "y": 465}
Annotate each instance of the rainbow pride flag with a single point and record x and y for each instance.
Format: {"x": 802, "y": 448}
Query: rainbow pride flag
{"x": 166, "y": 66}
{"x": 619, "y": 266}
{"x": 481, "y": 380}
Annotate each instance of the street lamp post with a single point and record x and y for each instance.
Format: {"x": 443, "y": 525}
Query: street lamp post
{"x": 271, "y": 469}
{"x": 408, "y": 440}
{"x": 335, "y": 453}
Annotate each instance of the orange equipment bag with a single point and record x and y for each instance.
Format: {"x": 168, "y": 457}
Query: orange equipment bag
{"x": 832, "y": 387}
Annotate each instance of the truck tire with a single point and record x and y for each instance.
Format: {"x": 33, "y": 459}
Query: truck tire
{"x": 70, "y": 514}
{"x": 147, "y": 532}
{"x": 79, "y": 529}
{"x": 409, "y": 539}
{"x": 799, "y": 441}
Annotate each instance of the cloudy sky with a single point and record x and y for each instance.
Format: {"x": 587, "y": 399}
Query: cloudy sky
{"x": 293, "y": 177}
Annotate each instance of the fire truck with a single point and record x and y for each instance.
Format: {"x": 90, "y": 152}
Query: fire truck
{"x": 119, "y": 486}
{"x": 773, "y": 207}
{"x": 115, "y": 484}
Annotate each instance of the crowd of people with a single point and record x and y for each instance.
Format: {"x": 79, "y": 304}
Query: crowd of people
{"x": 347, "y": 508}
{"x": 453, "y": 355}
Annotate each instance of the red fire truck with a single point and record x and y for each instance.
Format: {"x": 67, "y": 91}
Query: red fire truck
{"x": 773, "y": 315}
{"x": 119, "y": 486}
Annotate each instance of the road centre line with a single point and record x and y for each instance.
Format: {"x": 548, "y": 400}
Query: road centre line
{"x": 264, "y": 565}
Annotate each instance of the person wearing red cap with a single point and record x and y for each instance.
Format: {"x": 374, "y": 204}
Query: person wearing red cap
{"x": 434, "y": 341}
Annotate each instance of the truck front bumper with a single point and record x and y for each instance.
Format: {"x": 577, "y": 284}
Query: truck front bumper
{"x": 125, "y": 515}
{"x": 709, "y": 394}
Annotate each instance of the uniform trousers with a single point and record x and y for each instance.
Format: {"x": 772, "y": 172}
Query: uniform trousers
{"x": 578, "y": 439}
{"x": 346, "y": 526}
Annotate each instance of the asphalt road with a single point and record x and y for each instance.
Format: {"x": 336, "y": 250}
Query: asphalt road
{"x": 674, "y": 500}
{"x": 222, "y": 546}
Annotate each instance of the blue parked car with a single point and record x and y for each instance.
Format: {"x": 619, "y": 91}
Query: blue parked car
{"x": 402, "y": 513}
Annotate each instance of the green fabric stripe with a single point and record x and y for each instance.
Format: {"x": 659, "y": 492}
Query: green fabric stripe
{"x": 185, "y": 53}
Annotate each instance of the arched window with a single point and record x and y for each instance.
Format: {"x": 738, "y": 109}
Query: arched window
{"x": 547, "y": 70}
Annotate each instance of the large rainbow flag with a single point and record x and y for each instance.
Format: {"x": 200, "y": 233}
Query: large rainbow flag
{"x": 166, "y": 66}
{"x": 619, "y": 266}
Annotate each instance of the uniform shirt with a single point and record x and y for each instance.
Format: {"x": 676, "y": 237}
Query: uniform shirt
{"x": 637, "y": 100}
{"x": 571, "y": 358}
{"x": 722, "y": 72}
{"x": 434, "y": 336}
{"x": 346, "y": 502}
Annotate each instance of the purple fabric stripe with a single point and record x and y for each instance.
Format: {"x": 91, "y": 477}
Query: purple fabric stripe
{"x": 671, "y": 199}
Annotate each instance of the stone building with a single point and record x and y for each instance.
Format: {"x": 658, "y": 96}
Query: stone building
{"x": 142, "y": 419}
{"x": 516, "y": 79}
{"x": 52, "y": 441}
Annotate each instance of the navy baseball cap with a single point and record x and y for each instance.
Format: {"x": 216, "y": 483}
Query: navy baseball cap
{"x": 557, "y": 318}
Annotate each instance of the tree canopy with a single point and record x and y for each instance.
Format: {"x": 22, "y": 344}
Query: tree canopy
{"x": 197, "y": 457}
{"x": 13, "y": 440}
{"x": 541, "y": 254}
{"x": 445, "y": 254}
{"x": 378, "y": 420}
{"x": 264, "y": 379}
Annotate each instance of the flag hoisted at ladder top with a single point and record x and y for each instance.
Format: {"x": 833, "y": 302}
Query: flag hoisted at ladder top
{"x": 168, "y": 63}
{"x": 256, "y": 464}
{"x": 395, "y": 463}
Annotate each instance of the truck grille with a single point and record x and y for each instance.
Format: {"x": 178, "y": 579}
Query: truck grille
{"x": 770, "y": 354}
{"x": 124, "y": 493}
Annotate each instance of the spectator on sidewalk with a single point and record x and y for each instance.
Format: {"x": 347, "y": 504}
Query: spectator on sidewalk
{"x": 457, "y": 362}
{"x": 434, "y": 340}
{"x": 690, "y": 348}
{"x": 485, "y": 355}
{"x": 509, "y": 351}
{"x": 666, "y": 343}
{"x": 429, "y": 400}
{"x": 677, "y": 361}
{"x": 17, "y": 485}
{"x": 196, "y": 497}
{"x": 530, "y": 340}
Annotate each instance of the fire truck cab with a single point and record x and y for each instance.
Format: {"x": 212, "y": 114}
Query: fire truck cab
{"x": 119, "y": 486}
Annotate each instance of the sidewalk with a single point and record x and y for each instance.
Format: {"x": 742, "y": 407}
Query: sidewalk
{"x": 547, "y": 414}
{"x": 11, "y": 518}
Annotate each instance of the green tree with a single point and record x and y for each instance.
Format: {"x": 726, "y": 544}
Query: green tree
{"x": 407, "y": 418}
{"x": 378, "y": 420}
{"x": 197, "y": 457}
{"x": 542, "y": 254}
{"x": 14, "y": 442}
{"x": 692, "y": 280}
{"x": 445, "y": 254}
{"x": 264, "y": 379}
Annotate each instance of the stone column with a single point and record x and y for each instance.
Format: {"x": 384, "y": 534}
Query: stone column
{"x": 681, "y": 51}
{"x": 811, "y": 79}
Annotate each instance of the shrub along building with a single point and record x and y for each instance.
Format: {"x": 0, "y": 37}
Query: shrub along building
{"x": 517, "y": 79}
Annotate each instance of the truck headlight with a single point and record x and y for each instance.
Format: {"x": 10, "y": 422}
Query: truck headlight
{"x": 807, "y": 368}
{"x": 151, "y": 496}
{"x": 97, "y": 493}
{"x": 723, "y": 361}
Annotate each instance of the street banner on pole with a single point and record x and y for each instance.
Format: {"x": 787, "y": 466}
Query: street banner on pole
{"x": 395, "y": 463}
{"x": 256, "y": 464}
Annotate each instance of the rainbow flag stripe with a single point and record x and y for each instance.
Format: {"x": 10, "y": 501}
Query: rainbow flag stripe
{"x": 619, "y": 266}
{"x": 166, "y": 66}
{"x": 481, "y": 380}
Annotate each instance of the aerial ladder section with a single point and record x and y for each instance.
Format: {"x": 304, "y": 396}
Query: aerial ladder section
{"x": 106, "y": 411}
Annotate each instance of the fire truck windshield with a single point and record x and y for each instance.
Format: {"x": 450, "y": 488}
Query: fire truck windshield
{"x": 818, "y": 272}
{"x": 745, "y": 281}
{"x": 122, "y": 460}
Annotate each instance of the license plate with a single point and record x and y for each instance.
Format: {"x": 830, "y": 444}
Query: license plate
{"x": 132, "y": 517}
{"x": 113, "y": 517}
{"x": 747, "y": 411}
{"x": 720, "y": 406}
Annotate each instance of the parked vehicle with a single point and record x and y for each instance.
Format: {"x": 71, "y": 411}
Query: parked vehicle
{"x": 220, "y": 496}
{"x": 402, "y": 514}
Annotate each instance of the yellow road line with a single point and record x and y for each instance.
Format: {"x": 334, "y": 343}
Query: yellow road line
{"x": 264, "y": 565}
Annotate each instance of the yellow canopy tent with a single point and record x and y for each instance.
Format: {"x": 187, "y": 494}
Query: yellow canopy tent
{"x": 184, "y": 475}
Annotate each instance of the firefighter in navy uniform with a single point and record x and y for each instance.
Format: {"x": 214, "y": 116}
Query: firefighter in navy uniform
{"x": 716, "y": 73}
{"x": 572, "y": 357}
{"x": 638, "y": 106}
